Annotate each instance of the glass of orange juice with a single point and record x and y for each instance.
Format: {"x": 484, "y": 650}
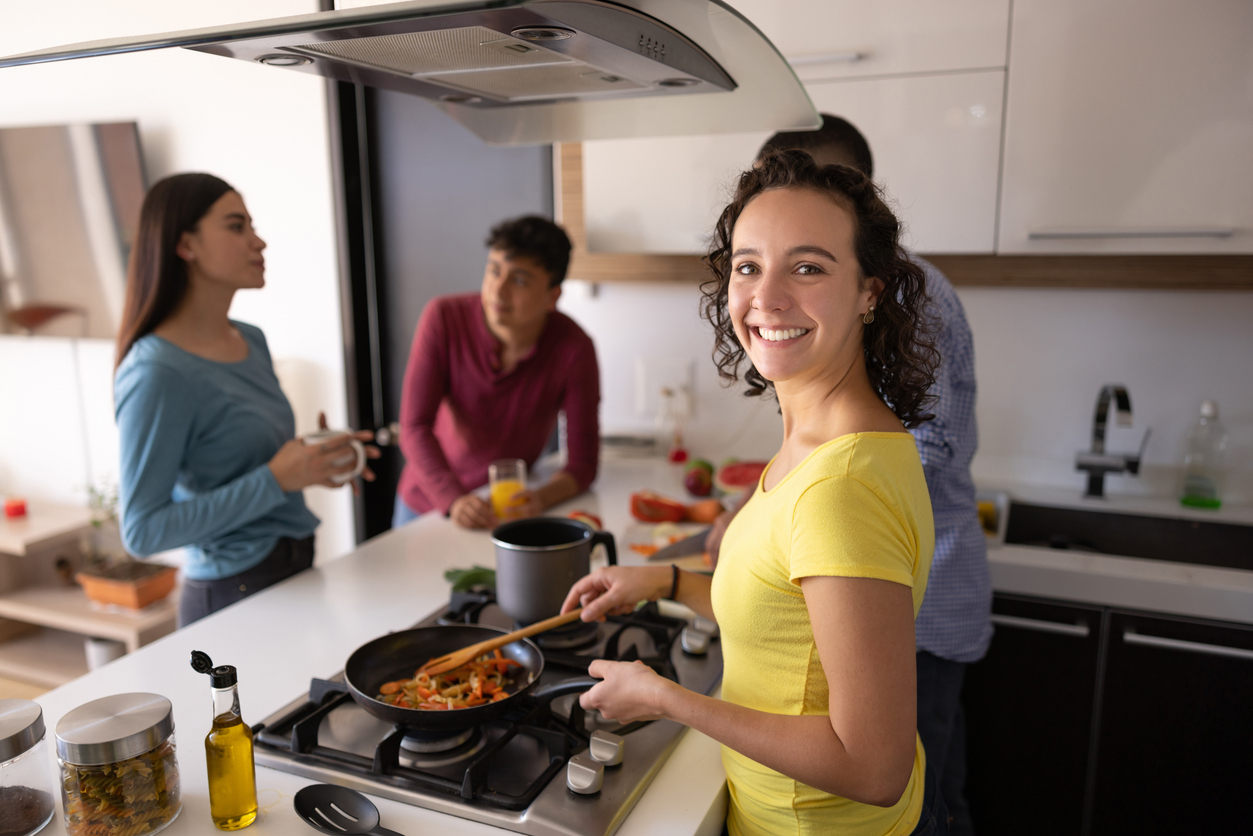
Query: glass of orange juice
{"x": 507, "y": 478}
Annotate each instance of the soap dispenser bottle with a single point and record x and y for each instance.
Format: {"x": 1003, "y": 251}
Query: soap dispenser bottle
{"x": 1203, "y": 461}
{"x": 228, "y": 750}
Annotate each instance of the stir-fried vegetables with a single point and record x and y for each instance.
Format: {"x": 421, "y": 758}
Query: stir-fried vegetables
{"x": 475, "y": 683}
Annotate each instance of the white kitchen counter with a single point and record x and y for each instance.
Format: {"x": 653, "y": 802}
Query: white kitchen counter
{"x": 307, "y": 627}
{"x": 1127, "y": 582}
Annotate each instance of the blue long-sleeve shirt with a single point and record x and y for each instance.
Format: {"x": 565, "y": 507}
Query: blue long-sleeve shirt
{"x": 196, "y": 438}
{"x": 954, "y": 621}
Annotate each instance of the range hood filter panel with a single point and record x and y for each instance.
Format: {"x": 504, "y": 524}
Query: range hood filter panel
{"x": 437, "y": 51}
{"x": 546, "y": 82}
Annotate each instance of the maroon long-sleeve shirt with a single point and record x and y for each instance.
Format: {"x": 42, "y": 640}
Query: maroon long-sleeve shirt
{"x": 458, "y": 412}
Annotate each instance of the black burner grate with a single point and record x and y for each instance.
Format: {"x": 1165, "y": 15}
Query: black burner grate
{"x": 297, "y": 733}
{"x": 511, "y": 760}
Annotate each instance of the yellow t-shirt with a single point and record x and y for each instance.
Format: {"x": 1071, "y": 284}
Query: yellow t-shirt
{"x": 856, "y": 507}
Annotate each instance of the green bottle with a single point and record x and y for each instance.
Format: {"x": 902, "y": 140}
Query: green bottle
{"x": 1203, "y": 464}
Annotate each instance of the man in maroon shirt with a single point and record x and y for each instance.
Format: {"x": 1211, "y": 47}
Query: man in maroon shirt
{"x": 488, "y": 374}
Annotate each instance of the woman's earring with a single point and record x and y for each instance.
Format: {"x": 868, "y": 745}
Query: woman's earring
{"x": 869, "y": 316}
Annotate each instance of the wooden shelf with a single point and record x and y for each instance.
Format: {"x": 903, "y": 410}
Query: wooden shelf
{"x": 43, "y": 526}
{"x": 67, "y": 608}
{"x": 44, "y": 657}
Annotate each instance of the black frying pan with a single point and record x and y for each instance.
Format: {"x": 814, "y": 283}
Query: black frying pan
{"x": 397, "y": 655}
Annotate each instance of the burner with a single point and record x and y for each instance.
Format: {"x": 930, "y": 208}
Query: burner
{"x": 569, "y": 636}
{"x": 426, "y": 742}
{"x": 418, "y": 751}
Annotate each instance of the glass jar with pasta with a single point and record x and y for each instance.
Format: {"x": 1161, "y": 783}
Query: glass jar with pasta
{"x": 119, "y": 774}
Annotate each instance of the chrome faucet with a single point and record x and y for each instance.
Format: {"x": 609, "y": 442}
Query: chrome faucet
{"x": 1097, "y": 462}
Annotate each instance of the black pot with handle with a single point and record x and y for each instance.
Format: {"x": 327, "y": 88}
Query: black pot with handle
{"x": 539, "y": 559}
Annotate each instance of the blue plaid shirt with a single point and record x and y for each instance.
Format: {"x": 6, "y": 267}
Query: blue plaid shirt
{"x": 954, "y": 620}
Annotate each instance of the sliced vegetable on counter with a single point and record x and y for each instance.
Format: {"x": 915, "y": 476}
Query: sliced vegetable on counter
{"x": 734, "y": 476}
{"x": 647, "y": 506}
{"x": 463, "y": 580}
{"x": 587, "y": 518}
{"x": 705, "y": 511}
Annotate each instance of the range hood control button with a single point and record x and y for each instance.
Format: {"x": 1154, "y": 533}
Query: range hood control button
{"x": 607, "y": 748}
{"x": 584, "y": 775}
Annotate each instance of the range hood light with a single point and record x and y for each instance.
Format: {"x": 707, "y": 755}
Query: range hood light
{"x": 281, "y": 60}
{"x": 542, "y": 33}
{"x": 678, "y": 82}
{"x": 460, "y": 98}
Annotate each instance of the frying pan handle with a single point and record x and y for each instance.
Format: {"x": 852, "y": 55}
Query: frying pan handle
{"x": 606, "y": 539}
{"x": 560, "y": 689}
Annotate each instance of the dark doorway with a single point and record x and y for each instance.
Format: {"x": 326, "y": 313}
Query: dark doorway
{"x": 418, "y": 193}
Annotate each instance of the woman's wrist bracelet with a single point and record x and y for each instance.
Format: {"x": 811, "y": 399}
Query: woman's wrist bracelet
{"x": 674, "y": 583}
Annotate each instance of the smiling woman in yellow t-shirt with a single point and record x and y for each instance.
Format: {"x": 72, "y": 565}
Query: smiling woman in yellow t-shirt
{"x": 822, "y": 572}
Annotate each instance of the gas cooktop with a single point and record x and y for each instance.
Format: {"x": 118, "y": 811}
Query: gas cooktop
{"x": 546, "y": 768}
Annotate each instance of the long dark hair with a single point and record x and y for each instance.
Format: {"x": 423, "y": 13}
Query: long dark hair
{"x": 901, "y": 359}
{"x": 156, "y": 279}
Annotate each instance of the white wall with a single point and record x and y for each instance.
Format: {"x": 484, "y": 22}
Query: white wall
{"x": 263, "y": 130}
{"x": 629, "y": 322}
{"x": 1041, "y": 358}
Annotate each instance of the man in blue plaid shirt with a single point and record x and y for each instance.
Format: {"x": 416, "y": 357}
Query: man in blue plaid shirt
{"x": 954, "y": 625}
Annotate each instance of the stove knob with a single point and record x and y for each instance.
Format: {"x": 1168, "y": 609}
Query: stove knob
{"x": 695, "y": 642}
{"x": 584, "y": 775}
{"x": 607, "y": 748}
{"x": 705, "y": 626}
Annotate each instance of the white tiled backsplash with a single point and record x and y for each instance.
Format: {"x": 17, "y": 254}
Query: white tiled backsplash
{"x": 1041, "y": 358}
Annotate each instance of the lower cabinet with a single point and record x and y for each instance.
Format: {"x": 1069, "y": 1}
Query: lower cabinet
{"x": 1103, "y": 722}
{"x": 1176, "y": 728}
{"x": 1029, "y": 718}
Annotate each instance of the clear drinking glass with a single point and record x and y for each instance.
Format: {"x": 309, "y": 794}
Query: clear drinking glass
{"x": 507, "y": 477}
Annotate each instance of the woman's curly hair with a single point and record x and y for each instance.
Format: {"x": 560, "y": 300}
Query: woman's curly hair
{"x": 901, "y": 357}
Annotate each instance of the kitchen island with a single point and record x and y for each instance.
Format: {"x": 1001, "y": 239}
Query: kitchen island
{"x": 308, "y": 625}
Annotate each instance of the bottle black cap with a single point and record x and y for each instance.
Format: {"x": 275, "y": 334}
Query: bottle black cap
{"x": 222, "y": 676}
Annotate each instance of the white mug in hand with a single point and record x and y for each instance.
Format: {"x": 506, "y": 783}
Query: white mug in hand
{"x": 355, "y": 449}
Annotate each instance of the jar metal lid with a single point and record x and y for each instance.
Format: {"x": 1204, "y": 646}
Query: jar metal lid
{"x": 21, "y": 727}
{"x": 115, "y": 728}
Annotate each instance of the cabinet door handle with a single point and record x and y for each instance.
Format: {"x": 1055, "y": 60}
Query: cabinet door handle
{"x": 1068, "y": 234}
{"x": 850, "y": 57}
{"x": 1079, "y": 631}
{"x": 1132, "y": 637}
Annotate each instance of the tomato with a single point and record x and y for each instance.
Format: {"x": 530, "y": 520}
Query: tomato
{"x": 647, "y": 506}
{"x": 698, "y": 478}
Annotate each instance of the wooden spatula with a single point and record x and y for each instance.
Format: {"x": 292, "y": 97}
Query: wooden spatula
{"x": 457, "y": 658}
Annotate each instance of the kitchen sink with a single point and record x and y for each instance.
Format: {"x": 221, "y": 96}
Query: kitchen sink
{"x": 1131, "y": 535}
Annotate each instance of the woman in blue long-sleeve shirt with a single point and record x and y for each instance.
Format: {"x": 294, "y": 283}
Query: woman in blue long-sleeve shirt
{"x": 209, "y": 455}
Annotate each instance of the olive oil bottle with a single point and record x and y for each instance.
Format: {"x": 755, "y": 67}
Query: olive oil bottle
{"x": 228, "y": 751}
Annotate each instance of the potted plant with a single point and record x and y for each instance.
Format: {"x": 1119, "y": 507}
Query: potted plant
{"x": 110, "y": 575}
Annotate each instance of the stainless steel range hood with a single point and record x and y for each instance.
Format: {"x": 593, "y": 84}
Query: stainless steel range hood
{"x": 519, "y": 72}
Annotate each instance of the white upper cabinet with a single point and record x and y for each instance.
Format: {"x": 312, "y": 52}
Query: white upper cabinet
{"x": 826, "y": 39}
{"x": 923, "y": 81}
{"x": 1129, "y": 127}
{"x": 935, "y": 141}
